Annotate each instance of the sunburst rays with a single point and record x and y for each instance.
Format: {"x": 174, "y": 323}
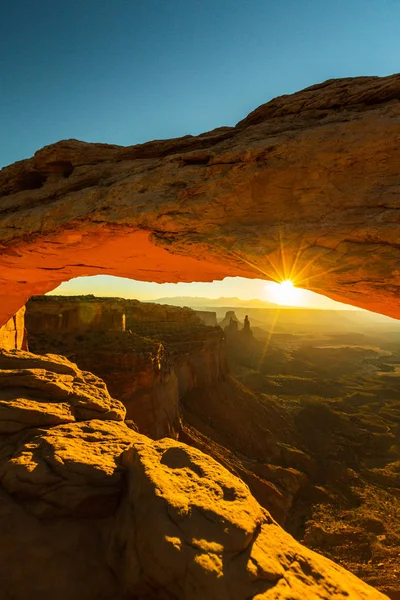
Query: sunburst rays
{"x": 288, "y": 263}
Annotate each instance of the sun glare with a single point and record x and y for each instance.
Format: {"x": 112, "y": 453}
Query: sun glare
{"x": 284, "y": 293}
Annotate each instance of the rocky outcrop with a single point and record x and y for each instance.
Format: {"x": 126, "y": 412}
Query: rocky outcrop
{"x": 150, "y": 315}
{"x": 138, "y": 371}
{"x": 164, "y": 353}
{"x": 239, "y": 339}
{"x": 306, "y": 187}
{"x": 230, "y": 317}
{"x": 13, "y": 334}
{"x": 100, "y": 511}
{"x": 246, "y": 328}
{"x": 75, "y": 395}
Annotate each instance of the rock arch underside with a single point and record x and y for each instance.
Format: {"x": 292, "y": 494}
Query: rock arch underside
{"x": 307, "y": 183}
{"x": 307, "y": 187}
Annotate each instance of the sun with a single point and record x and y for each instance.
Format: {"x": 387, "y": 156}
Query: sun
{"x": 284, "y": 293}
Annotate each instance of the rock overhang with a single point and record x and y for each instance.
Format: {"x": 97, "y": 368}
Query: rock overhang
{"x": 306, "y": 186}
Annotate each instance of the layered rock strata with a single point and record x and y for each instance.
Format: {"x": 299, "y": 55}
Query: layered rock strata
{"x": 100, "y": 511}
{"x": 13, "y": 334}
{"x": 164, "y": 353}
{"x": 306, "y": 187}
{"x": 77, "y": 314}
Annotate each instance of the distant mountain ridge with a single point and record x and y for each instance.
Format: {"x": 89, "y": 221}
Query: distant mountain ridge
{"x": 199, "y": 301}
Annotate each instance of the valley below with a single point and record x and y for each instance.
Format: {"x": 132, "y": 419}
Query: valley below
{"x": 310, "y": 419}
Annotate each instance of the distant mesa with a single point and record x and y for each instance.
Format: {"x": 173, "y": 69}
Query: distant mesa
{"x": 230, "y": 317}
{"x": 235, "y": 331}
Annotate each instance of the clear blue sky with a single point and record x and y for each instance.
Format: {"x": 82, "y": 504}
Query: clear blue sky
{"x": 128, "y": 71}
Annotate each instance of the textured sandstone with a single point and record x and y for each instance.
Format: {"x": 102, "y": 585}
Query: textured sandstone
{"x": 98, "y": 511}
{"x": 12, "y": 333}
{"x": 50, "y": 391}
{"x": 68, "y": 470}
{"x": 306, "y": 186}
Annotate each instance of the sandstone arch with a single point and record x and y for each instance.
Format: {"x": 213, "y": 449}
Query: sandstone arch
{"x": 315, "y": 174}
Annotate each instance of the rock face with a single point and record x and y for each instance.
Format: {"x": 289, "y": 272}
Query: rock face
{"x": 306, "y": 187}
{"x": 164, "y": 353}
{"x": 207, "y": 317}
{"x": 100, "y": 511}
{"x": 76, "y": 314}
{"x": 230, "y": 317}
{"x": 246, "y": 327}
{"x": 12, "y": 334}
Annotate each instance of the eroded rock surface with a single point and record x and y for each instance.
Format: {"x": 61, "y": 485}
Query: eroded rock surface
{"x": 13, "y": 334}
{"x": 41, "y": 391}
{"x": 307, "y": 187}
{"x": 97, "y": 510}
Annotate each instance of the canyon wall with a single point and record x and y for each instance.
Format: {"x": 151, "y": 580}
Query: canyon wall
{"x": 73, "y": 313}
{"x": 207, "y": 317}
{"x": 164, "y": 352}
{"x": 12, "y": 333}
{"x": 151, "y": 314}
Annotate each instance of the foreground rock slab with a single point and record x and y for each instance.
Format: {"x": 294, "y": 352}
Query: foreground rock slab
{"x": 90, "y": 509}
{"x": 306, "y": 187}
